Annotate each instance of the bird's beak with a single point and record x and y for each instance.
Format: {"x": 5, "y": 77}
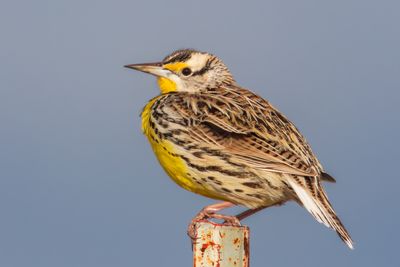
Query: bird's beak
{"x": 151, "y": 68}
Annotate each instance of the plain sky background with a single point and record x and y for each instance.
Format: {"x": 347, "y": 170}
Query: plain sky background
{"x": 79, "y": 184}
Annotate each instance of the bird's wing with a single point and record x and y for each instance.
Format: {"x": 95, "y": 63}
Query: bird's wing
{"x": 249, "y": 129}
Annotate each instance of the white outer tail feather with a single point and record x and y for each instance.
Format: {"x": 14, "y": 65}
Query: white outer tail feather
{"x": 319, "y": 212}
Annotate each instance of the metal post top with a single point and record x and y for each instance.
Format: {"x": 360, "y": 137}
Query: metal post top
{"x": 219, "y": 245}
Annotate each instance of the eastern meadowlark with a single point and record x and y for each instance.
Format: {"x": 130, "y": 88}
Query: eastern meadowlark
{"x": 222, "y": 141}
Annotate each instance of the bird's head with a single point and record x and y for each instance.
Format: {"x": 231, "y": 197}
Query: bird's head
{"x": 187, "y": 71}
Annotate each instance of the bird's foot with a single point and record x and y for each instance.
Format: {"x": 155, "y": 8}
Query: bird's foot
{"x": 191, "y": 231}
{"x": 228, "y": 220}
{"x": 204, "y": 215}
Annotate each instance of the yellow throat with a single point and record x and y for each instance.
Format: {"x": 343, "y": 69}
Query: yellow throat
{"x": 166, "y": 85}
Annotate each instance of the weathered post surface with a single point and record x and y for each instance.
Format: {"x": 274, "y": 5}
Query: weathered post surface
{"x": 221, "y": 246}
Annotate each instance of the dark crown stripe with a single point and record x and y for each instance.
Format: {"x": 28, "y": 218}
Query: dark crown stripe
{"x": 179, "y": 56}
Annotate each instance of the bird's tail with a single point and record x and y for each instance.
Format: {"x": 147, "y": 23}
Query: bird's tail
{"x": 315, "y": 200}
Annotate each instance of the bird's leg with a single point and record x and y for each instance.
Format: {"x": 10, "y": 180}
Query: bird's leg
{"x": 210, "y": 212}
{"x": 249, "y": 212}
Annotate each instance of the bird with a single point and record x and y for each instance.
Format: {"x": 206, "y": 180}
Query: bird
{"x": 222, "y": 141}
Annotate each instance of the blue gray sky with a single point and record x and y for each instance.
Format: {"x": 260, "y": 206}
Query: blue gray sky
{"x": 79, "y": 185}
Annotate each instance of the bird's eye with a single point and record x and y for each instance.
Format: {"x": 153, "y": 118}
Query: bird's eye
{"x": 186, "y": 71}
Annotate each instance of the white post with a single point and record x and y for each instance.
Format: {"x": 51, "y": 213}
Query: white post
{"x": 221, "y": 246}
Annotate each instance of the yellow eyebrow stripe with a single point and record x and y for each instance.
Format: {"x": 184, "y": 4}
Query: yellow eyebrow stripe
{"x": 175, "y": 67}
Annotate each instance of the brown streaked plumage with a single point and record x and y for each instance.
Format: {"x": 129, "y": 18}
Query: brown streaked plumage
{"x": 222, "y": 141}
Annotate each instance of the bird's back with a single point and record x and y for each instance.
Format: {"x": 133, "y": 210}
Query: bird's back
{"x": 194, "y": 142}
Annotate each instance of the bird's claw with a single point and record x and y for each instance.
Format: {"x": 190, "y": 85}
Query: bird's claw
{"x": 231, "y": 221}
{"x": 204, "y": 216}
{"x": 191, "y": 231}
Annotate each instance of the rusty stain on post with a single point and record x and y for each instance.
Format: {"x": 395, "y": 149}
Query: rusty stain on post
{"x": 221, "y": 246}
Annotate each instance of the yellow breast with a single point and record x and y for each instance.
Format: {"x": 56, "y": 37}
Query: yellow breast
{"x": 165, "y": 152}
{"x": 168, "y": 155}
